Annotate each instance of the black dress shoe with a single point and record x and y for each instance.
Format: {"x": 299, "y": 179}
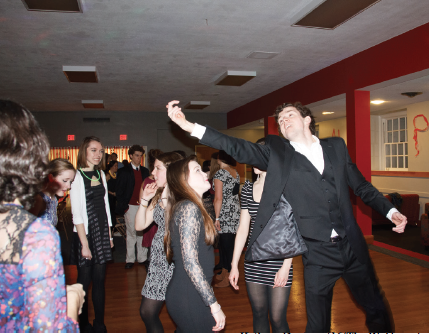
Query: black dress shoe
{"x": 128, "y": 265}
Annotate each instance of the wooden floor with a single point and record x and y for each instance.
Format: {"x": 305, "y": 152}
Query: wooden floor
{"x": 406, "y": 287}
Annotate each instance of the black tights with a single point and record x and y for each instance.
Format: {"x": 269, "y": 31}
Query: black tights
{"x": 149, "y": 312}
{"x": 226, "y": 249}
{"x": 95, "y": 273}
{"x": 266, "y": 300}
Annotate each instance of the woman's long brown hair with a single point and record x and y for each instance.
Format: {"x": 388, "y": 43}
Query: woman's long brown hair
{"x": 166, "y": 158}
{"x": 177, "y": 180}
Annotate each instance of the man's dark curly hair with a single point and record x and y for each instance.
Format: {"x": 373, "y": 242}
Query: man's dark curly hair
{"x": 303, "y": 110}
{"x": 24, "y": 150}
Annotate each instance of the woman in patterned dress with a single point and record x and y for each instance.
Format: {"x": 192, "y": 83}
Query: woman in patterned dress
{"x": 61, "y": 175}
{"x": 159, "y": 271}
{"x": 32, "y": 281}
{"x": 92, "y": 240}
{"x": 268, "y": 283}
{"x": 226, "y": 183}
{"x": 189, "y": 239}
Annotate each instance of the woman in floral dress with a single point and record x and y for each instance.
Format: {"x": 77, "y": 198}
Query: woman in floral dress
{"x": 226, "y": 183}
{"x": 159, "y": 271}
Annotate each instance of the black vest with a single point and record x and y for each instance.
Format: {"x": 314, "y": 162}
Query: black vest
{"x": 315, "y": 206}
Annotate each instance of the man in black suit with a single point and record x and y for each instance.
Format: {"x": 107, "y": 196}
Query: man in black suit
{"x": 314, "y": 176}
{"x": 128, "y": 183}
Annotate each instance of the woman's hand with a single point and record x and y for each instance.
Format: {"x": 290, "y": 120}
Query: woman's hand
{"x": 149, "y": 191}
{"x": 75, "y": 300}
{"x": 217, "y": 225}
{"x": 218, "y": 316}
{"x": 282, "y": 276}
{"x": 233, "y": 277}
{"x": 111, "y": 243}
{"x": 86, "y": 253}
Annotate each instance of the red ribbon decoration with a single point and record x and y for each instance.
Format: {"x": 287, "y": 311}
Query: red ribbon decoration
{"x": 419, "y": 130}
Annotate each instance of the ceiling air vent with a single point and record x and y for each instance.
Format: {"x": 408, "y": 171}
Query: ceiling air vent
{"x": 68, "y": 6}
{"x": 332, "y": 13}
{"x": 96, "y": 119}
{"x": 196, "y": 105}
{"x": 235, "y": 78}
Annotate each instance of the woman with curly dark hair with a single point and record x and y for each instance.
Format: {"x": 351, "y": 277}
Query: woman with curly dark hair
{"x": 33, "y": 289}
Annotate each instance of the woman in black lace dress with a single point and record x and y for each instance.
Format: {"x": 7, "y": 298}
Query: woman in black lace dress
{"x": 189, "y": 239}
{"x": 91, "y": 247}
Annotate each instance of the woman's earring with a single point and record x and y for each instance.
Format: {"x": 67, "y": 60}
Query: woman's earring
{"x": 257, "y": 178}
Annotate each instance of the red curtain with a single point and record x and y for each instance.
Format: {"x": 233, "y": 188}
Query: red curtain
{"x": 70, "y": 153}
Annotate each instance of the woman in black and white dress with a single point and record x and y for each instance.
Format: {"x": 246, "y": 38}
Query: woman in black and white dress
{"x": 268, "y": 282}
{"x": 159, "y": 271}
{"x": 92, "y": 240}
{"x": 226, "y": 183}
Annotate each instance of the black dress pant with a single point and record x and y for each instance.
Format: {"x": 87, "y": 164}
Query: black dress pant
{"x": 324, "y": 264}
{"x": 226, "y": 249}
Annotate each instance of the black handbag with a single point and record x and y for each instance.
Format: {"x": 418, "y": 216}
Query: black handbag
{"x": 280, "y": 238}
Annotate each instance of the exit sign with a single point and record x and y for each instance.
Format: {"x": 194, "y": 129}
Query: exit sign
{"x": 122, "y": 137}
{"x": 70, "y": 137}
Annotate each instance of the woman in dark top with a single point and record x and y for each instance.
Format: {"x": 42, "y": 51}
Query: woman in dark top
{"x": 189, "y": 239}
{"x": 91, "y": 247}
{"x": 111, "y": 170}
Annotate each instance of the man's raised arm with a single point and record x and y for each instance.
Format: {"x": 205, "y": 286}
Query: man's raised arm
{"x": 177, "y": 116}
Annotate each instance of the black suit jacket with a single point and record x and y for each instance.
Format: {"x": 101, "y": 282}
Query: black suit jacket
{"x": 276, "y": 157}
{"x": 125, "y": 186}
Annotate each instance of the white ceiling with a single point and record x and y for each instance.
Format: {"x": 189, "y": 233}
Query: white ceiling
{"x": 150, "y": 52}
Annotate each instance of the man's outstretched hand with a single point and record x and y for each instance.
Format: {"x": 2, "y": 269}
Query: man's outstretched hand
{"x": 177, "y": 116}
{"x": 400, "y": 221}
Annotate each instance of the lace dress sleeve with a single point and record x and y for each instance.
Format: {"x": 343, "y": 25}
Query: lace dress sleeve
{"x": 44, "y": 281}
{"x": 189, "y": 220}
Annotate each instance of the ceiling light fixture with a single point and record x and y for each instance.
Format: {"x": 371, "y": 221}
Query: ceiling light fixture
{"x": 93, "y": 104}
{"x": 262, "y": 55}
{"x": 377, "y": 101}
{"x": 81, "y": 73}
{"x": 329, "y": 14}
{"x": 68, "y": 6}
{"x": 411, "y": 94}
{"x": 327, "y": 112}
{"x": 196, "y": 105}
{"x": 235, "y": 78}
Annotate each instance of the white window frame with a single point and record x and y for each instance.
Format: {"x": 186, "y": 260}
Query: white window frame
{"x": 384, "y": 141}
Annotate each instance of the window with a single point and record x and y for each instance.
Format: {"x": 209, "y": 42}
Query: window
{"x": 395, "y": 142}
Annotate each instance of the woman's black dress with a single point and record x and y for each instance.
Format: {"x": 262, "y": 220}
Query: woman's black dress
{"x": 189, "y": 294}
{"x": 98, "y": 227}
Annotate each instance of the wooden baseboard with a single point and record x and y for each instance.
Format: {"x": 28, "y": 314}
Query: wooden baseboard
{"x": 369, "y": 239}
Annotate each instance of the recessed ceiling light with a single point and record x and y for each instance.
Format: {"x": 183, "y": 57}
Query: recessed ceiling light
{"x": 69, "y": 6}
{"x": 93, "y": 104}
{"x": 196, "y": 105}
{"x": 235, "y": 78}
{"x": 81, "y": 73}
{"x": 262, "y": 55}
{"x": 327, "y": 112}
{"x": 329, "y": 14}
{"x": 377, "y": 101}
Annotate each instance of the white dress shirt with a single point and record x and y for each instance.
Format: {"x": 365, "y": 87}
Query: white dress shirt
{"x": 314, "y": 154}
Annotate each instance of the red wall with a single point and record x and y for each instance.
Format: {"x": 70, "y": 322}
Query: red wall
{"x": 401, "y": 55}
